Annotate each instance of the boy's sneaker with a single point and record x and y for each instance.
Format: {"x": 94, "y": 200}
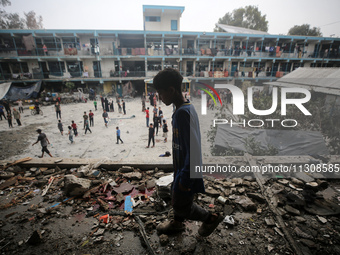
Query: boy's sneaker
{"x": 207, "y": 228}
{"x": 170, "y": 227}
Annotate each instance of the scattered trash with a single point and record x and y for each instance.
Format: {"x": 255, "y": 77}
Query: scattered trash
{"x": 229, "y": 220}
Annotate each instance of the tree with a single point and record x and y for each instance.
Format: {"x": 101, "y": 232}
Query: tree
{"x": 305, "y": 29}
{"x": 33, "y": 22}
{"x": 247, "y": 17}
{"x": 14, "y": 21}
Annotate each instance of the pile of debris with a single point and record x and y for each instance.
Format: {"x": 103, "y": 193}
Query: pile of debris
{"x": 91, "y": 208}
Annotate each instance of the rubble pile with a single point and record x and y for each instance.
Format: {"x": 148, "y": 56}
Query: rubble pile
{"x": 92, "y": 210}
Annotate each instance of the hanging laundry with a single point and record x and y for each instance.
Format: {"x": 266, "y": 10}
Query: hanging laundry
{"x": 28, "y": 42}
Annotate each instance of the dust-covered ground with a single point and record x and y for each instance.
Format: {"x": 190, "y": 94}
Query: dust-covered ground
{"x": 15, "y": 143}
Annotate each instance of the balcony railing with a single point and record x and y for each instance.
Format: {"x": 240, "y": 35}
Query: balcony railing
{"x": 212, "y": 52}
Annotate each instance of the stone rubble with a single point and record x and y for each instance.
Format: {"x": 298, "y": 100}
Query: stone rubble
{"x": 86, "y": 206}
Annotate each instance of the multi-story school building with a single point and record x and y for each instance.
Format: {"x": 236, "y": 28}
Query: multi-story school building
{"x": 106, "y": 59}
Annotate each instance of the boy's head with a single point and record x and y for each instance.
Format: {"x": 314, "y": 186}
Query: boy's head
{"x": 84, "y": 112}
{"x": 151, "y": 125}
{"x": 117, "y": 128}
{"x": 147, "y": 108}
{"x": 168, "y": 83}
{"x": 164, "y": 121}
{"x": 69, "y": 127}
{"x": 59, "y": 121}
{"x": 72, "y": 121}
{"x": 90, "y": 110}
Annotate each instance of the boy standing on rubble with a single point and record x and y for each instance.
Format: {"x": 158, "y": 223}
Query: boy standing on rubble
{"x": 186, "y": 148}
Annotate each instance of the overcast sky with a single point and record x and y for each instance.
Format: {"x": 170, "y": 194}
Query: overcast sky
{"x": 198, "y": 15}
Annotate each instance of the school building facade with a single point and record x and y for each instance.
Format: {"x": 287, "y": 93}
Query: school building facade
{"x": 106, "y": 59}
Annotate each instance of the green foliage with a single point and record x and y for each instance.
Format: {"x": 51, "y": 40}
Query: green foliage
{"x": 14, "y": 21}
{"x": 305, "y": 29}
{"x": 247, "y": 17}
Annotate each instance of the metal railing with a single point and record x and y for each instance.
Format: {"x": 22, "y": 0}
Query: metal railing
{"x": 212, "y": 52}
{"x": 124, "y": 74}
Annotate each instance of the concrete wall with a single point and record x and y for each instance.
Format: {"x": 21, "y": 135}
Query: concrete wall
{"x": 164, "y": 25}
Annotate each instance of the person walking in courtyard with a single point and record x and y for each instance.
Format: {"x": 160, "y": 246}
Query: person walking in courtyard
{"x": 151, "y": 136}
{"x": 91, "y": 114}
{"x": 105, "y": 117}
{"x": 16, "y": 116}
{"x": 87, "y": 127}
{"x": 43, "y": 141}
{"x": 74, "y": 127}
{"x": 37, "y": 106}
{"x": 9, "y": 119}
{"x": 95, "y": 104}
{"x": 118, "y": 135}
{"x": 160, "y": 115}
{"x": 124, "y": 107}
{"x": 147, "y": 116}
{"x": 57, "y": 109}
{"x": 156, "y": 122}
{"x": 70, "y": 135}
{"x": 165, "y": 131}
{"x": 186, "y": 148}
{"x": 85, "y": 117}
{"x": 2, "y": 113}
{"x": 21, "y": 108}
{"x": 119, "y": 107}
{"x": 60, "y": 127}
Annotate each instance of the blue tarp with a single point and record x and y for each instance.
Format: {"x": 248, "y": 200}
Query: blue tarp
{"x": 16, "y": 92}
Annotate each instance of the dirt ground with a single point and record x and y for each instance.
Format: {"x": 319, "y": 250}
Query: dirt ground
{"x": 15, "y": 143}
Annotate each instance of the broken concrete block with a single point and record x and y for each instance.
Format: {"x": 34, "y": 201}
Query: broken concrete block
{"x": 165, "y": 180}
{"x": 246, "y": 203}
{"x": 133, "y": 176}
{"x": 120, "y": 198}
{"x": 258, "y": 197}
{"x": 292, "y": 210}
{"x": 302, "y": 234}
{"x": 269, "y": 221}
{"x": 212, "y": 192}
{"x": 126, "y": 169}
{"x": 76, "y": 186}
{"x": 150, "y": 184}
{"x": 237, "y": 181}
{"x": 321, "y": 219}
{"x": 124, "y": 188}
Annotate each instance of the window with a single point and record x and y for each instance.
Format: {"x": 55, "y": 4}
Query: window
{"x": 56, "y": 68}
{"x": 173, "y": 25}
{"x": 153, "y": 18}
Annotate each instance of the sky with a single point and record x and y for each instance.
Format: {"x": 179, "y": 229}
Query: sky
{"x": 198, "y": 15}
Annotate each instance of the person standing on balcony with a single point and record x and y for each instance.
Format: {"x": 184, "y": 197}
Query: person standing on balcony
{"x": 45, "y": 50}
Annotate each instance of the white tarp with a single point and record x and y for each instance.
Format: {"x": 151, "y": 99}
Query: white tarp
{"x": 4, "y": 87}
{"x": 287, "y": 142}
